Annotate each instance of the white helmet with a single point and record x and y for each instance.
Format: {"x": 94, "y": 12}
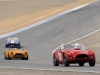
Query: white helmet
{"x": 77, "y": 45}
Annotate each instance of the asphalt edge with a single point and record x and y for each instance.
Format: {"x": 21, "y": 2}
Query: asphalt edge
{"x": 82, "y": 36}
{"x": 44, "y": 21}
{"x": 51, "y": 70}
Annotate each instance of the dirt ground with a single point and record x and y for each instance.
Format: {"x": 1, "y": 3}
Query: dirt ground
{"x": 39, "y": 72}
{"x": 16, "y": 14}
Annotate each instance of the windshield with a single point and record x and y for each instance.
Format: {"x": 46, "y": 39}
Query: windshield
{"x": 80, "y": 46}
{"x": 16, "y": 48}
{"x": 14, "y": 39}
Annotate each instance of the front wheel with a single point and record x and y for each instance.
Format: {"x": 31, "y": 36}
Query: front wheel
{"x": 81, "y": 64}
{"x": 9, "y": 58}
{"x": 55, "y": 62}
{"x": 66, "y": 62}
{"x": 5, "y": 55}
{"x": 92, "y": 63}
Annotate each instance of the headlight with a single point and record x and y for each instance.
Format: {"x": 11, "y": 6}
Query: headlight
{"x": 91, "y": 53}
{"x": 70, "y": 54}
{"x": 25, "y": 53}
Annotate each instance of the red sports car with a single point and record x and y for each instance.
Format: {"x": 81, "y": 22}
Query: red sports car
{"x": 75, "y": 53}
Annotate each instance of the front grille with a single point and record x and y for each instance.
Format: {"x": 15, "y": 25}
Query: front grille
{"x": 18, "y": 54}
{"x": 82, "y": 56}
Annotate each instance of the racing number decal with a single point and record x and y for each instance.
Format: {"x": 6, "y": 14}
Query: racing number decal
{"x": 60, "y": 56}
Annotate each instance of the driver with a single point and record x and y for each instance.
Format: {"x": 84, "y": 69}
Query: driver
{"x": 77, "y": 45}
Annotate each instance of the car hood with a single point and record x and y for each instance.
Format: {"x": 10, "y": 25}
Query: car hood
{"x": 77, "y": 52}
{"x": 17, "y": 51}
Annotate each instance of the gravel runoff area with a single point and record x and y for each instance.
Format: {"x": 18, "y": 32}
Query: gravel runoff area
{"x": 41, "y": 72}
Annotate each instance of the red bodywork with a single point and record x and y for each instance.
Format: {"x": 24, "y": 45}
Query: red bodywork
{"x": 74, "y": 55}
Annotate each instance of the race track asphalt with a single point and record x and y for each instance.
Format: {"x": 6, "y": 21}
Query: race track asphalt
{"x": 42, "y": 40}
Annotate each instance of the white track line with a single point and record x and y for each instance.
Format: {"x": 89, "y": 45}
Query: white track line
{"x": 55, "y": 11}
{"x": 41, "y": 22}
{"x": 39, "y": 18}
{"x": 31, "y": 21}
{"x": 44, "y": 21}
{"x": 50, "y": 69}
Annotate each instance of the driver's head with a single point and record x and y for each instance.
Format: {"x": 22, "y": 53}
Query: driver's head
{"x": 77, "y": 45}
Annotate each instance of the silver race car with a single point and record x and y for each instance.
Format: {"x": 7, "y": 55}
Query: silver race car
{"x": 12, "y": 41}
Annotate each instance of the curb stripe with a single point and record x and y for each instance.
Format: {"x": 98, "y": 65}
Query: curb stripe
{"x": 44, "y": 21}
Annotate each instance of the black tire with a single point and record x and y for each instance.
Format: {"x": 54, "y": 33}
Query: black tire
{"x": 26, "y": 58}
{"x": 81, "y": 64}
{"x": 9, "y": 57}
{"x": 22, "y": 58}
{"x": 92, "y": 63}
{"x": 55, "y": 62}
{"x": 5, "y": 56}
{"x": 66, "y": 62}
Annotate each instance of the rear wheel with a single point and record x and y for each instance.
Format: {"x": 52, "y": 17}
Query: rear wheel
{"x": 66, "y": 62}
{"x": 81, "y": 64}
{"x": 92, "y": 63}
{"x": 55, "y": 62}
{"x": 9, "y": 58}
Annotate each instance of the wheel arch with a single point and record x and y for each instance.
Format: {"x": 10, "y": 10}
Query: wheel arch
{"x": 6, "y": 52}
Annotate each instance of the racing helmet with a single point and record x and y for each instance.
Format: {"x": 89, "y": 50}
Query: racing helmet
{"x": 76, "y": 45}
